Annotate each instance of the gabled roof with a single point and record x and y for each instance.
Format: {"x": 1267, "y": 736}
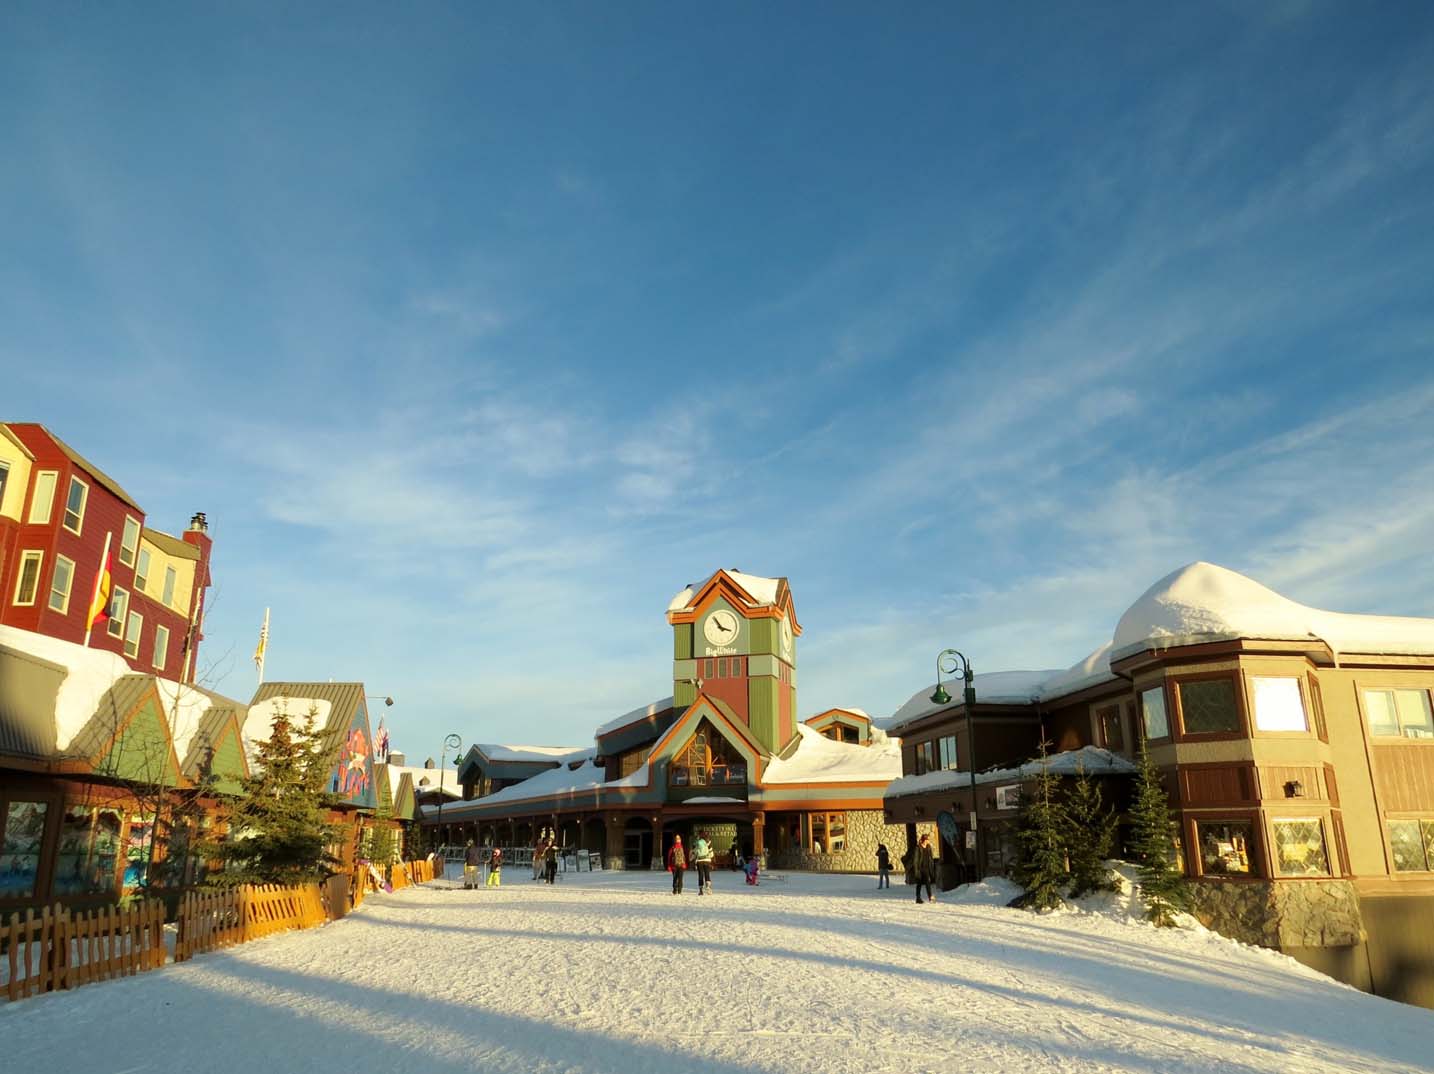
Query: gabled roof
{"x": 83, "y": 463}
{"x": 170, "y": 546}
{"x": 749, "y": 592}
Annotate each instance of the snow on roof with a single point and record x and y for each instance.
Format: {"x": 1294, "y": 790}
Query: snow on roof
{"x": 530, "y": 753}
{"x": 1093, "y": 760}
{"x": 762, "y": 590}
{"x": 995, "y": 687}
{"x": 641, "y": 712}
{"x": 184, "y": 707}
{"x": 1082, "y": 675}
{"x": 1204, "y": 602}
{"x": 451, "y": 786}
{"x": 819, "y": 759}
{"x": 554, "y": 781}
{"x": 89, "y": 673}
{"x": 259, "y": 719}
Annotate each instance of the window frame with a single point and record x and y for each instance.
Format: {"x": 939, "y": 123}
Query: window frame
{"x": 118, "y": 596}
{"x": 31, "y": 516}
{"x": 1166, "y": 711}
{"x": 1399, "y": 735}
{"x": 1426, "y": 843}
{"x": 69, "y": 564}
{"x": 141, "y": 576}
{"x": 1242, "y": 716}
{"x": 1330, "y": 854}
{"x": 75, "y": 483}
{"x": 4, "y": 480}
{"x": 160, "y": 656}
{"x": 1195, "y": 858}
{"x": 1306, "y": 708}
{"x": 38, "y": 555}
{"x": 1099, "y": 713}
{"x": 136, "y": 620}
{"x": 133, "y": 550}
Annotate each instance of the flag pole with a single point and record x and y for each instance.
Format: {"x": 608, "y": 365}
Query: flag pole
{"x": 95, "y": 595}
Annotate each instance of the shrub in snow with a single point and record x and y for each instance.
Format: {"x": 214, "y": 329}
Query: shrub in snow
{"x": 1153, "y": 844}
{"x": 1040, "y": 865}
{"x": 1089, "y": 835}
{"x": 279, "y": 831}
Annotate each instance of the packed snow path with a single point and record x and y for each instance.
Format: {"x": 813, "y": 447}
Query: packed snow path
{"x": 610, "y": 972}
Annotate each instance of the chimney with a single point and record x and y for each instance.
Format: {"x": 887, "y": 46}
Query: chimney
{"x": 396, "y": 759}
{"x": 198, "y": 523}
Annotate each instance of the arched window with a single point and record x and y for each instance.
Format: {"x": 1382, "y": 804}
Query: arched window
{"x": 708, "y": 761}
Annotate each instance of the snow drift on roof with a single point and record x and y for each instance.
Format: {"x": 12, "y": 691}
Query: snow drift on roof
{"x": 996, "y": 688}
{"x": 639, "y": 713}
{"x": 530, "y": 753}
{"x": 554, "y": 781}
{"x": 259, "y": 719}
{"x": 1093, "y": 760}
{"x": 819, "y": 759}
{"x": 762, "y": 590}
{"x": 1204, "y": 602}
{"x": 451, "y": 786}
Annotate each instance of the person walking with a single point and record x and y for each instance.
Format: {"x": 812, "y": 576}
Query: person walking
{"x": 736, "y": 854}
{"x": 923, "y": 866}
{"x": 702, "y": 855}
{"x": 472, "y": 860}
{"x": 495, "y": 868}
{"x": 540, "y": 854}
{"x": 676, "y": 864}
{"x": 883, "y": 867}
{"x": 550, "y": 865}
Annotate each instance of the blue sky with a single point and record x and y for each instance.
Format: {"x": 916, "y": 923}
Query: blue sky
{"x": 479, "y": 332}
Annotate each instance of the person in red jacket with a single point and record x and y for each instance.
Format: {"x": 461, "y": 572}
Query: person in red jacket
{"x": 676, "y": 864}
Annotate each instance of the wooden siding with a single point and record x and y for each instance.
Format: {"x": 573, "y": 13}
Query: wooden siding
{"x": 1310, "y": 777}
{"x": 1217, "y": 785}
{"x": 762, "y": 713}
{"x": 762, "y": 634}
{"x": 1404, "y": 776}
{"x": 682, "y": 641}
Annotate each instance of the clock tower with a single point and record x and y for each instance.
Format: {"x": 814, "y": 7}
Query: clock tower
{"x": 734, "y": 639}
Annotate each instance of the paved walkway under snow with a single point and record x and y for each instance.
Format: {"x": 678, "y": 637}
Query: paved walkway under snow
{"x": 609, "y": 972}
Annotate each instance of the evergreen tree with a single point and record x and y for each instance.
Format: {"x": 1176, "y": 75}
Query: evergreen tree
{"x": 1089, "y": 835}
{"x": 1040, "y": 865}
{"x": 1152, "y": 840}
{"x": 279, "y": 832}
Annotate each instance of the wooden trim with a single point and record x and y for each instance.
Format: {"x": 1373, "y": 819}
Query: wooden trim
{"x": 1194, "y": 861}
{"x": 1236, "y": 680}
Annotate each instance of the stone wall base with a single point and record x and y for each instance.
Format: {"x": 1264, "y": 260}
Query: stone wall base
{"x": 1281, "y": 914}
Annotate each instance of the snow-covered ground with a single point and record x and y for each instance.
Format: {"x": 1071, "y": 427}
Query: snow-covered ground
{"x": 610, "y": 972}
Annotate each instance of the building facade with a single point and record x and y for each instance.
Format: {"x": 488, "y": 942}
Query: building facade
{"x": 724, "y": 755}
{"x": 1296, "y": 745}
{"x": 61, "y": 520}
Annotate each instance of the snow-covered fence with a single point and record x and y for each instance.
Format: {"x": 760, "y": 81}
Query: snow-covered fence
{"x": 60, "y": 949}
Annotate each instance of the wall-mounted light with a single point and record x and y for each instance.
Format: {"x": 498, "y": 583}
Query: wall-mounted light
{"x": 1294, "y": 789}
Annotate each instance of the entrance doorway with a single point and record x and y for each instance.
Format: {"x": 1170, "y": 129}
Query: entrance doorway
{"x": 637, "y": 845}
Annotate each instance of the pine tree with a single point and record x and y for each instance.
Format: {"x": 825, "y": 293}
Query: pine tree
{"x": 1040, "y": 865}
{"x": 1089, "y": 835}
{"x": 1153, "y": 837}
{"x": 279, "y": 832}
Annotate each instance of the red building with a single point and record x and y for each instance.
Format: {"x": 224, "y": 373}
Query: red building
{"x": 58, "y": 512}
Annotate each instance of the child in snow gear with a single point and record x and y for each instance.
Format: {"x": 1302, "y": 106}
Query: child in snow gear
{"x": 702, "y": 855}
{"x": 472, "y": 859}
{"x": 883, "y": 867}
{"x": 923, "y": 867}
{"x": 495, "y": 868}
{"x": 751, "y": 870}
{"x": 676, "y": 864}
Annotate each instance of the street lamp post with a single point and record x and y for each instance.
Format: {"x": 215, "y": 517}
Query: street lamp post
{"x": 948, "y": 662}
{"x": 451, "y": 742}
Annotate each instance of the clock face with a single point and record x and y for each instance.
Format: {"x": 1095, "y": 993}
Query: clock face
{"x": 786, "y": 637}
{"x": 721, "y": 627}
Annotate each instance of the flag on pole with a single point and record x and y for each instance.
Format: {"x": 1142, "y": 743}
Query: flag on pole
{"x": 381, "y": 743}
{"x": 263, "y": 644}
{"x": 99, "y": 609}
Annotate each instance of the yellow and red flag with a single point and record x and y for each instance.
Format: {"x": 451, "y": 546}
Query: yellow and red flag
{"x": 104, "y": 586}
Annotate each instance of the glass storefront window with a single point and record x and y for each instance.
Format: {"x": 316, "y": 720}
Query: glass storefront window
{"x": 20, "y": 851}
{"x": 1300, "y": 847}
{"x": 1207, "y": 706}
{"x": 1225, "y": 847}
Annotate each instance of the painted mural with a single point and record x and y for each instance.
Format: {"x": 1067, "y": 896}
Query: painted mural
{"x": 352, "y": 776}
{"x": 20, "y": 852}
{"x": 89, "y": 845}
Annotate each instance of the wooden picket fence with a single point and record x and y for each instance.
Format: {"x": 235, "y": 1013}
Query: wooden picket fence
{"x": 58, "y": 948}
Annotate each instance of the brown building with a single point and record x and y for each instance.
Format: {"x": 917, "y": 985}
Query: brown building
{"x": 1297, "y": 747}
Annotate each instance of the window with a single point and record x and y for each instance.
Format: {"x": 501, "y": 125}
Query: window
{"x": 1208, "y": 707}
{"x": 1225, "y": 847}
{"x": 826, "y": 832}
{"x": 4, "y": 477}
{"x": 1278, "y": 705}
{"x": 948, "y": 752}
{"x": 1112, "y": 731}
{"x": 43, "y": 500}
{"x": 925, "y": 757}
{"x": 141, "y": 570}
{"x": 132, "y": 632}
{"x": 29, "y": 577}
{"x": 129, "y": 541}
{"x": 1399, "y": 712}
{"x": 75, "y": 505}
{"x": 24, "y": 834}
{"x": 1300, "y": 847}
{"x": 708, "y": 761}
{"x": 1412, "y": 842}
{"x": 89, "y": 847}
{"x": 161, "y": 646}
{"x": 60, "y": 583}
{"x": 1317, "y": 707}
{"x": 119, "y": 608}
{"x": 1152, "y": 712}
